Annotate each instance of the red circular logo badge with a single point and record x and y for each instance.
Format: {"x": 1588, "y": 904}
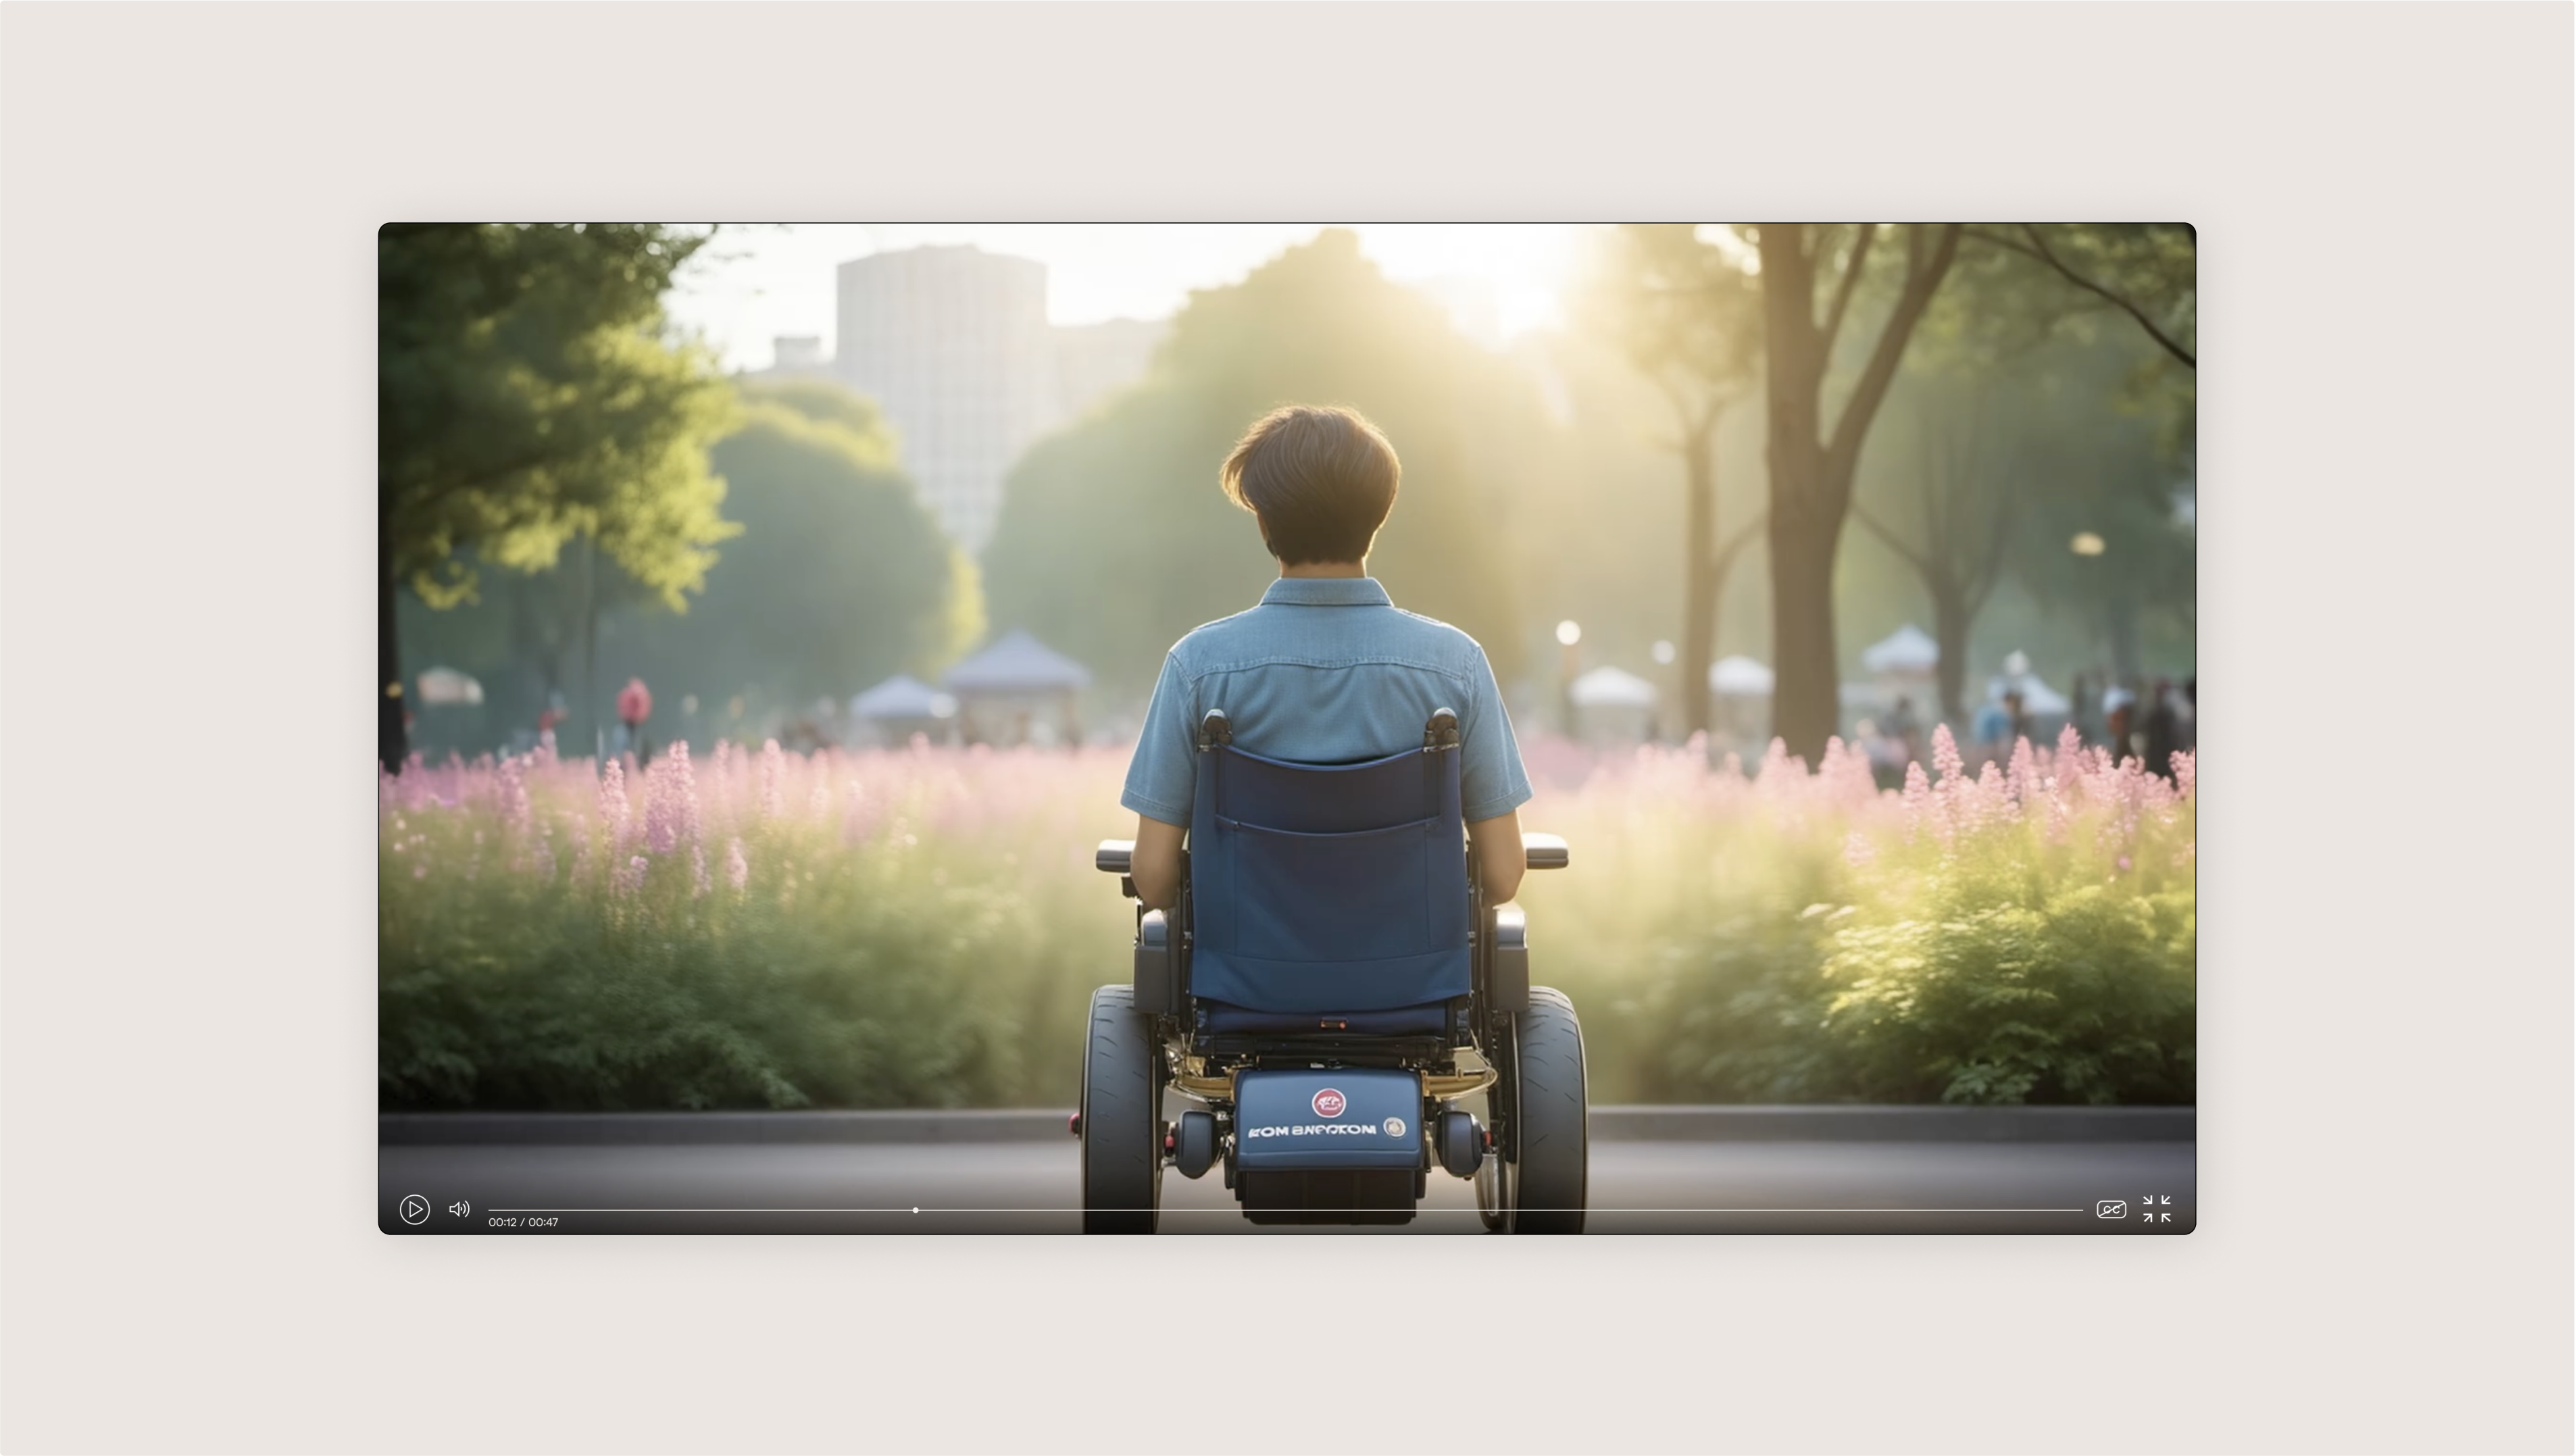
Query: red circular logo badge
{"x": 1329, "y": 1103}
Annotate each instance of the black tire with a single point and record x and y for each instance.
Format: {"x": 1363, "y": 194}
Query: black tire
{"x": 1549, "y": 1185}
{"x": 1494, "y": 1180}
{"x": 1122, "y": 1097}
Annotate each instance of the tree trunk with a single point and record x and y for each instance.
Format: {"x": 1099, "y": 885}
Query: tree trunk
{"x": 590, "y": 717}
{"x": 1699, "y": 581}
{"x": 1811, "y": 468}
{"x": 1805, "y": 533}
{"x": 1805, "y": 703}
{"x": 392, "y": 742}
{"x": 1951, "y": 621}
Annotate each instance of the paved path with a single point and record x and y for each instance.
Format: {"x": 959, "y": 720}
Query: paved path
{"x": 994, "y": 1177}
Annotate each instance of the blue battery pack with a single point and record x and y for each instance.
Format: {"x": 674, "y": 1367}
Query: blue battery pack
{"x": 1340, "y": 1118}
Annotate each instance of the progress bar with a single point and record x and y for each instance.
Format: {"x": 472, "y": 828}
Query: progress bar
{"x": 1232, "y": 1210}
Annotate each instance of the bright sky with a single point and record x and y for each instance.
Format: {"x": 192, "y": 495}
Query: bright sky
{"x": 1498, "y": 278}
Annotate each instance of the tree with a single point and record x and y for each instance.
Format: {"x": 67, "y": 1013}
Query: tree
{"x": 1957, "y": 510}
{"x": 1812, "y": 460}
{"x": 841, "y": 576}
{"x": 2149, "y": 271}
{"x": 1113, "y": 539}
{"x": 1687, "y": 317}
{"x": 526, "y": 397}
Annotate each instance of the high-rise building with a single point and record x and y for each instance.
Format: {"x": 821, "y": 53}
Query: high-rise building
{"x": 1093, "y": 361}
{"x": 953, "y": 342}
{"x": 799, "y": 356}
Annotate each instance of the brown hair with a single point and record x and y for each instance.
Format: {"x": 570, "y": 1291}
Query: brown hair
{"x": 1319, "y": 478}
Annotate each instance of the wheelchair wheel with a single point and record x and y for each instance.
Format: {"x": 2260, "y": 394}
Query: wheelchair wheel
{"x": 1543, "y": 1191}
{"x": 1494, "y": 1180}
{"x": 1494, "y": 1193}
{"x": 1122, "y": 1097}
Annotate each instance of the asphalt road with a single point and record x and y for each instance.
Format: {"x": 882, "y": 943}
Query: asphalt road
{"x": 1766, "y": 1183}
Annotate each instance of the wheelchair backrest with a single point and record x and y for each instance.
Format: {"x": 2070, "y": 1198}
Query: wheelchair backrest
{"x": 1328, "y": 888}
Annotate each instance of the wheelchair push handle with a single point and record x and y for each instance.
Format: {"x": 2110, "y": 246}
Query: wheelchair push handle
{"x": 1544, "y": 851}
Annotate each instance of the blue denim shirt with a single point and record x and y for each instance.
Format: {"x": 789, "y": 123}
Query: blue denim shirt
{"x": 1326, "y": 670}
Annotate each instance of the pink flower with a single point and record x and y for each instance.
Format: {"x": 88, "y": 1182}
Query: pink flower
{"x": 737, "y": 869}
{"x": 771, "y": 764}
{"x": 2024, "y": 770}
{"x": 1945, "y": 754}
{"x": 634, "y": 701}
{"x": 698, "y": 871}
{"x": 669, "y": 803}
{"x": 2186, "y": 770}
{"x": 514, "y": 796}
{"x": 611, "y": 801}
{"x": 630, "y": 876}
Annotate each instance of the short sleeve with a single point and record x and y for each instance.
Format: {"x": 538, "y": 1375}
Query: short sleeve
{"x": 1164, "y": 775}
{"x": 1494, "y": 782}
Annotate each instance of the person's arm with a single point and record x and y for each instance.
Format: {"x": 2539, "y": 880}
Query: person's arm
{"x": 1159, "y": 785}
{"x": 1493, "y": 786}
{"x": 1494, "y": 851}
{"x": 1156, "y": 866}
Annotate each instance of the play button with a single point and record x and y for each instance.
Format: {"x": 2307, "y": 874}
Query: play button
{"x": 415, "y": 1208}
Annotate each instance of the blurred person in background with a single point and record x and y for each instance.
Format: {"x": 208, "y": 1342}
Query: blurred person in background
{"x": 1903, "y": 731}
{"x": 1324, "y": 670}
{"x": 1992, "y": 733}
{"x": 2118, "y": 715}
{"x": 2162, "y": 728}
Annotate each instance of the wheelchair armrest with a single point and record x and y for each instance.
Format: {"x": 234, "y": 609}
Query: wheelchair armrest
{"x": 1115, "y": 856}
{"x": 1511, "y": 982}
{"x": 1545, "y": 851}
{"x": 1157, "y": 966}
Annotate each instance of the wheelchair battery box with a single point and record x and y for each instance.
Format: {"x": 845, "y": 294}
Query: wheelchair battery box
{"x": 1341, "y": 1117}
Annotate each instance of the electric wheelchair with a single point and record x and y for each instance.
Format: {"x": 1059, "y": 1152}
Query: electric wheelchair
{"x": 1329, "y": 987}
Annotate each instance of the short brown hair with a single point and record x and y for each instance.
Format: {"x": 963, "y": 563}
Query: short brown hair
{"x": 1320, "y": 479}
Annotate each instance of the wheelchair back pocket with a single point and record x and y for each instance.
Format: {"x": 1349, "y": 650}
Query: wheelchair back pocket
{"x": 1331, "y": 897}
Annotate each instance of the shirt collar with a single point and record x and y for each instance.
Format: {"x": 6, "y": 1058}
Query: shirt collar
{"x": 1326, "y": 592}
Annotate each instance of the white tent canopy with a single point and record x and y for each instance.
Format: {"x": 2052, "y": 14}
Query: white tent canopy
{"x": 446, "y": 687}
{"x": 1018, "y": 662}
{"x": 1739, "y": 678}
{"x": 901, "y": 696}
{"x": 1909, "y": 649}
{"x": 2035, "y": 696}
{"x": 1610, "y": 687}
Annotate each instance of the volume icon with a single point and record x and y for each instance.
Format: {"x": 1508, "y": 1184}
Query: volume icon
{"x": 460, "y": 1208}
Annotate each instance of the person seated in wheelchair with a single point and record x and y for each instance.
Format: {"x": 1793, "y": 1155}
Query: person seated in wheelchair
{"x": 1327, "y": 791}
{"x": 1326, "y": 668}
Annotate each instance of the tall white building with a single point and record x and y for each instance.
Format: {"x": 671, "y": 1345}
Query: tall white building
{"x": 1094, "y": 361}
{"x": 953, "y": 342}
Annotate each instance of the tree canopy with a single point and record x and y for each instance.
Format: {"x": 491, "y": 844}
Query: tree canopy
{"x": 842, "y": 577}
{"x": 526, "y": 397}
{"x": 1115, "y": 540}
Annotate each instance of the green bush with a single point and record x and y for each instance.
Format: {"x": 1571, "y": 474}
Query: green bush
{"x": 923, "y": 928}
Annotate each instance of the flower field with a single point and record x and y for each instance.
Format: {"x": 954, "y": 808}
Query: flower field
{"x": 923, "y": 928}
